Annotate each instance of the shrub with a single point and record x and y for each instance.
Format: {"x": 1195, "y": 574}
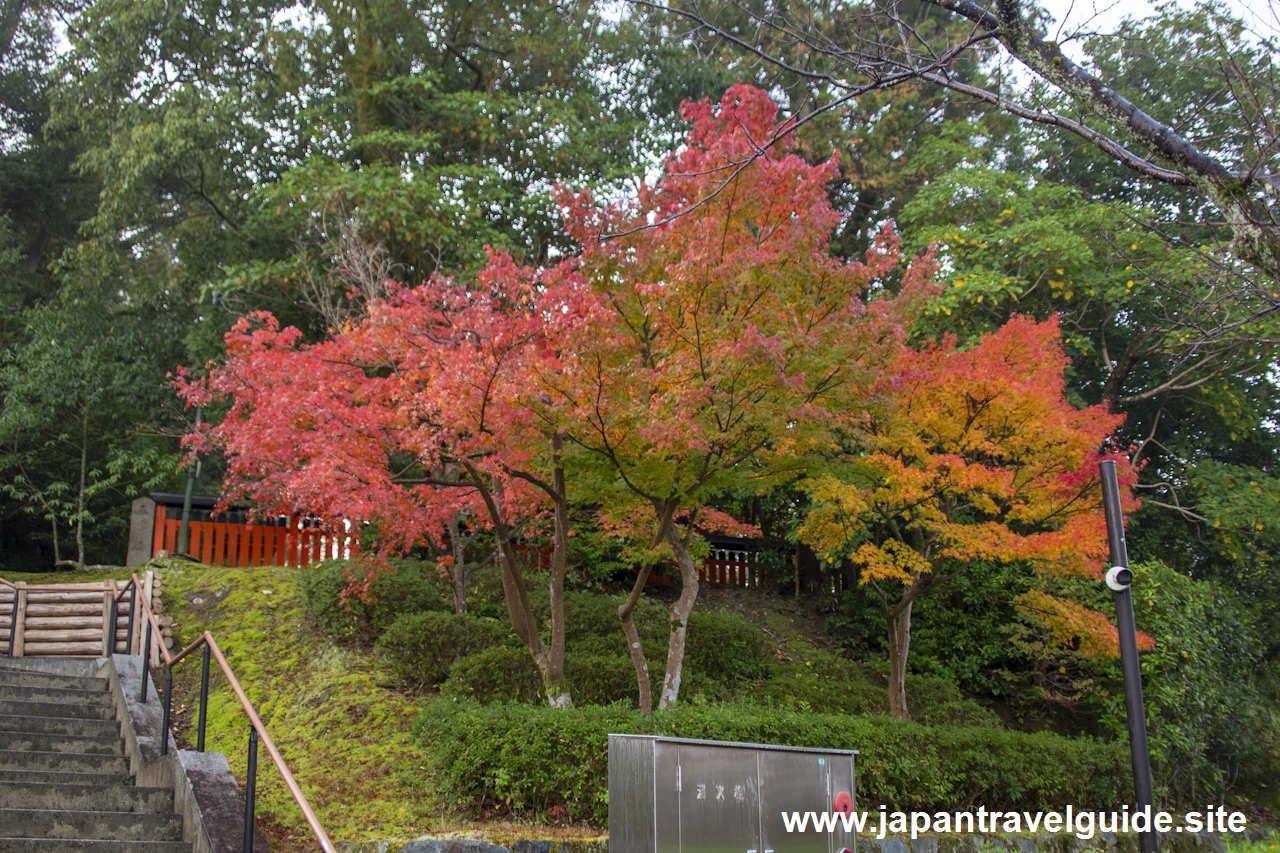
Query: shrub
{"x": 605, "y": 679}
{"x": 826, "y": 684}
{"x": 413, "y": 586}
{"x": 961, "y": 712}
{"x": 499, "y": 674}
{"x": 508, "y": 674}
{"x": 530, "y": 758}
{"x": 725, "y": 647}
{"x": 420, "y": 648}
{"x": 592, "y": 624}
{"x": 937, "y": 701}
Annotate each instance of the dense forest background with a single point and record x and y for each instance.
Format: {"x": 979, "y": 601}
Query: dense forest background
{"x": 166, "y": 168}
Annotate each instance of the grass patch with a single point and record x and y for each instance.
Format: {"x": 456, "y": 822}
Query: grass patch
{"x": 1270, "y": 844}
{"x": 344, "y": 735}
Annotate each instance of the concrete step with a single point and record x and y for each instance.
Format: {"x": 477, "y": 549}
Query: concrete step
{"x": 69, "y": 696}
{"x": 117, "y": 826}
{"x": 54, "y": 777}
{"x": 57, "y": 709}
{"x": 63, "y": 762}
{"x": 39, "y": 742}
{"x": 72, "y": 726}
{"x": 31, "y": 678}
{"x": 86, "y": 798}
{"x": 79, "y": 845}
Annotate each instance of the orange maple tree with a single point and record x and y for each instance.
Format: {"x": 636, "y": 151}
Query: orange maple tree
{"x": 972, "y": 455}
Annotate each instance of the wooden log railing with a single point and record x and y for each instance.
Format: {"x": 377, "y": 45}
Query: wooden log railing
{"x": 66, "y": 619}
{"x": 257, "y": 731}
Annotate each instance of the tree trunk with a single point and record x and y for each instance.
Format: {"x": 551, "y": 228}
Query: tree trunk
{"x": 84, "y": 467}
{"x": 633, "y": 641}
{"x": 680, "y": 611}
{"x": 519, "y": 607}
{"x": 57, "y": 551}
{"x": 459, "y": 566}
{"x": 899, "y": 619}
{"x": 666, "y": 511}
{"x": 795, "y": 561}
{"x": 553, "y": 676}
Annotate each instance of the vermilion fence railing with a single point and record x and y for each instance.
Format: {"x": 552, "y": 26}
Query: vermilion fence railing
{"x": 297, "y": 542}
{"x": 236, "y": 544}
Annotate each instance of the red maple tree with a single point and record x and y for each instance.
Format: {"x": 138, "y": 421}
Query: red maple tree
{"x": 407, "y": 418}
{"x": 722, "y": 338}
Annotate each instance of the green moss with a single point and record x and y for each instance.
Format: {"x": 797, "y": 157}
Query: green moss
{"x": 68, "y": 577}
{"x": 343, "y": 734}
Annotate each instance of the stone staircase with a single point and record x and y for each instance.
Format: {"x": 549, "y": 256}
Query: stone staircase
{"x": 64, "y": 781}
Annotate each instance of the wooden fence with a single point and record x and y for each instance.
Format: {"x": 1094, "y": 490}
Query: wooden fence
{"x": 75, "y": 619}
{"x": 293, "y": 542}
{"x": 298, "y": 541}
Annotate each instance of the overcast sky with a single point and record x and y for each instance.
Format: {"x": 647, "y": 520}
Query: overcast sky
{"x": 1263, "y": 16}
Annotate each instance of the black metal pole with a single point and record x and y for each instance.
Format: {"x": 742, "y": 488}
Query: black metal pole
{"x": 133, "y": 611}
{"x": 115, "y": 620}
{"x": 250, "y": 784}
{"x": 13, "y": 622}
{"x": 204, "y": 697}
{"x": 1118, "y": 580}
{"x": 168, "y": 703}
{"x": 146, "y": 658}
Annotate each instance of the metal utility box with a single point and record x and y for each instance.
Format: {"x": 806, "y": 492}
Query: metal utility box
{"x": 670, "y": 795}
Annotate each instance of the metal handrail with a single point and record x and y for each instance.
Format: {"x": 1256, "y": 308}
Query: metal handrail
{"x": 257, "y": 731}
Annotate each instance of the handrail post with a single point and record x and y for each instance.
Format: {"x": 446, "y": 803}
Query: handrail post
{"x": 204, "y": 697}
{"x": 133, "y": 612}
{"x": 146, "y": 658}
{"x": 115, "y": 619}
{"x": 250, "y": 785}
{"x": 13, "y": 621}
{"x": 168, "y": 703}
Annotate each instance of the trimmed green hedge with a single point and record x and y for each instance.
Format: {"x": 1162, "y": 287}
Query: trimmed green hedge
{"x": 420, "y": 648}
{"x": 414, "y": 586}
{"x": 529, "y": 758}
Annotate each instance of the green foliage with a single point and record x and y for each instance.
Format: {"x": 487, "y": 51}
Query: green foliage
{"x": 961, "y": 634}
{"x": 823, "y": 683}
{"x": 412, "y": 586}
{"x": 1207, "y": 687}
{"x": 725, "y": 657}
{"x": 1208, "y": 718}
{"x": 1236, "y": 844}
{"x": 724, "y": 646}
{"x": 507, "y": 674}
{"x": 596, "y": 679}
{"x": 529, "y": 759}
{"x": 75, "y": 394}
{"x": 499, "y": 674}
{"x": 420, "y": 648}
{"x": 1241, "y": 505}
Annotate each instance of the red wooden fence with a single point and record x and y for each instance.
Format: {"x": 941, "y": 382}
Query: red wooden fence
{"x": 298, "y": 543}
{"x": 223, "y": 543}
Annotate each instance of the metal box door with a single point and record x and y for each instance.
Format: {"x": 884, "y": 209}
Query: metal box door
{"x": 717, "y": 800}
{"x": 801, "y": 782}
